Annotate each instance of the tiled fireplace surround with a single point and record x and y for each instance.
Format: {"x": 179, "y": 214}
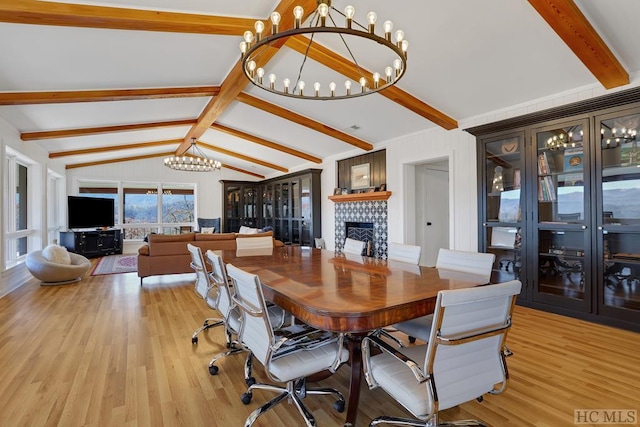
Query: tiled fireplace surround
{"x": 369, "y": 211}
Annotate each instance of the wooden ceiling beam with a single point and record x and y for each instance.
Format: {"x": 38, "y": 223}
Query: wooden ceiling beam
{"x": 235, "y": 81}
{"x": 566, "y": 19}
{"x": 265, "y": 143}
{"x": 110, "y": 148}
{"x": 303, "y": 121}
{"x": 76, "y": 15}
{"x": 150, "y": 156}
{"x": 342, "y": 65}
{"x": 63, "y": 97}
{"x": 67, "y": 133}
{"x": 243, "y": 157}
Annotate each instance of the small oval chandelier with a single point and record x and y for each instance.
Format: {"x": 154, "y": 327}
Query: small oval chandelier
{"x": 194, "y": 161}
{"x": 254, "y": 44}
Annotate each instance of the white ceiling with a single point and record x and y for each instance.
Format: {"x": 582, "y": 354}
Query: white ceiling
{"x": 465, "y": 58}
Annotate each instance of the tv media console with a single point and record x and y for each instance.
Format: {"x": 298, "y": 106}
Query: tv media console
{"x": 92, "y": 243}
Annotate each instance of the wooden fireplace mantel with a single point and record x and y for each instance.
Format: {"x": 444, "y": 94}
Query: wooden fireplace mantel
{"x": 361, "y": 197}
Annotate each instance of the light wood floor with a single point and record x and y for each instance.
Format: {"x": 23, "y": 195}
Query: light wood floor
{"x": 107, "y": 352}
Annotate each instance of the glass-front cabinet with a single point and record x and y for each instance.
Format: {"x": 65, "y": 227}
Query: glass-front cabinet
{"x": 562, "y": 200}
{"x": 618, "y": 214}
{"x": 290, "y": 205}
{"x": 502, "y": 174}
{"x": 559, "y": 206}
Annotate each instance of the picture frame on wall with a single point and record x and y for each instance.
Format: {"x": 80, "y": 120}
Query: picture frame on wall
{"x": 360, "y": 176}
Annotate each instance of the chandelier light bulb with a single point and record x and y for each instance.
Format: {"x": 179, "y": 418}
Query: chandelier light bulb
{"x": 387, "y": 72}
{"x": 404, "y": 45}
{"x": 260, "y": 74}
{"x": 251, "y": 65}
{"x": 286, "y": 82}
{"x": 259, "y": 26}
{"x": 275, "y": 20}
{"x": 301, "y": 86}
{"x": 349, "y": 12}
{"x": 363, "y": 84}
{"x": 376, "y": 80}
{"x": 397, "y": 65}
{"x": 323, "y": 11}
{"x": 371, "y": 19}
{"x": 298, "y": 11}
{"x": 399, "y": 36}
{"x": 316, "y": 88}
{"x": 272, "y": 81}
{"x": 248, "y": 37}
{"x": 243, "y": 47}
{"x": 388, "y": 27}
{"x": 332, "y": 88}
{"x": 347, "y": 86}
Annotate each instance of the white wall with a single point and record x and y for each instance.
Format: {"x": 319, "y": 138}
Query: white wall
{"x": 37, "y": 212}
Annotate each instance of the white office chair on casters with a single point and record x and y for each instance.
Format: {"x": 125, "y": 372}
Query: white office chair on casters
{"x": 404, "y": 253}
{"x": 400, "y": 253}
{"x": 288, "y": 359}
{"x": 462, "y": 361}
{"x": 352, "y": 246}
{"x": 231, "y": 314}
{"x": 477, "y": 264}
{"x": 203, "y": 286}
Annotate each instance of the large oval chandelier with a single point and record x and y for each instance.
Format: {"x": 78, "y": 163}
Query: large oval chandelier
{"x": 192, "y": 160}
{"x": 321, "y": 22}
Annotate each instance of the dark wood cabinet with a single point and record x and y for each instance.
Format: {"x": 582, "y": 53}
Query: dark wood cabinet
{"x": 559, "y": 206}
{"x": 92, "y": 243}
{"x": 289, "y": 204}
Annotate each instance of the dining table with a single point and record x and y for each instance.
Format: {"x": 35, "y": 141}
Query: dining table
{"x": 348, "y": 294}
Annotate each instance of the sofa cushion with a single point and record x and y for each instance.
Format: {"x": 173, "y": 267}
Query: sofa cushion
{"x": 56, "y": 254}
{"x": 200, "y": 237}
{"x": 208, "y": 230}
{"x": 249, "y": 236}
{"x": 157, "y": 238}
{"x": 143, "y": 250}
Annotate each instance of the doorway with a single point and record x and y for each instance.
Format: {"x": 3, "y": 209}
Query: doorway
{"x": 432, "y": 209}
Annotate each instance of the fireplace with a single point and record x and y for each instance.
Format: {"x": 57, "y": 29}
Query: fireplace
{"x": 362, "y": 231}
{"x": 365, "y": 221}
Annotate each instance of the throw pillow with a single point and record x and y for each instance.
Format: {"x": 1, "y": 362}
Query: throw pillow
{"x": 57, "y": 254}
{"x": 208, "y": 230}
{"x": 247, "y": 230}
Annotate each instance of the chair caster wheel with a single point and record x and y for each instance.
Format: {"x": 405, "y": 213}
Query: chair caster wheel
{"x": 246, "y": 398}
{"x": 250, "y": 381}
{"x": 412, "y": 339}
{"x": 338, "y": 405}
{"x": 213, "y": 369}
{"x": 194, "y": 340}
{"x": 480, "y": 399}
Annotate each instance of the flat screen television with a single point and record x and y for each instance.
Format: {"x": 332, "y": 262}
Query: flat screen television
{"x": 90, "y": 212}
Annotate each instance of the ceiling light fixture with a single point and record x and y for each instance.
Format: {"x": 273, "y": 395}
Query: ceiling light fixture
{"x": 194, "y": 161}
{"x": 254, "y": 44}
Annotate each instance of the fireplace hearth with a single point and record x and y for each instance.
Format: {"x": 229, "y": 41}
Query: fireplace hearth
{"x": 365, "y": 221}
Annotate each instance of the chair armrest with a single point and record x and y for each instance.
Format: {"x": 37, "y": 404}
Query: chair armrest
{"x": 385, "y": 347}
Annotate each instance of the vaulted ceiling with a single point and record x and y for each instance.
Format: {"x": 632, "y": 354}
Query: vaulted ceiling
{"x": 134, "y": 79}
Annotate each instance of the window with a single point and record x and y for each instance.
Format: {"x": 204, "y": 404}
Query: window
{"x": 18, "y": 229}
{"x": 54, "y": 221}
{"x": 147, "y": 207}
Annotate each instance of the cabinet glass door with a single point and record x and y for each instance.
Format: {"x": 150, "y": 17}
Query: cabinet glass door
{"x": 619, "y": 216}
{"x": 233, "y": 206}
{"x": 503, "y": 206}
{"x": 562, "y": 246}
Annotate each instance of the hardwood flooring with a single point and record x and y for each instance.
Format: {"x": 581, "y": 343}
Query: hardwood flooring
{"x": 107, "y": 352}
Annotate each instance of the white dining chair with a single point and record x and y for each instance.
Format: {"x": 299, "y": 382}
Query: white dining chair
{"x": 404, "y": 253}
{"x": 476, "y": 264}
{"x": 462, "y": 361}
{"x": 352, "y": 246}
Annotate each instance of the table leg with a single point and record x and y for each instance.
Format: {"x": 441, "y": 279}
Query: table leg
{"x": 355, "y": 360}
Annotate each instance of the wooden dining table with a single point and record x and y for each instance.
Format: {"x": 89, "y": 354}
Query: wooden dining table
{"x": 346, "y": 294}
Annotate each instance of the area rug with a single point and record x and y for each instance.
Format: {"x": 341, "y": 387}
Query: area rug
{"x": 114, "y": 264}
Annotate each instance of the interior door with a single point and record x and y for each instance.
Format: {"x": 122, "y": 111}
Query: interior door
{"x": 432, "y": 210}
